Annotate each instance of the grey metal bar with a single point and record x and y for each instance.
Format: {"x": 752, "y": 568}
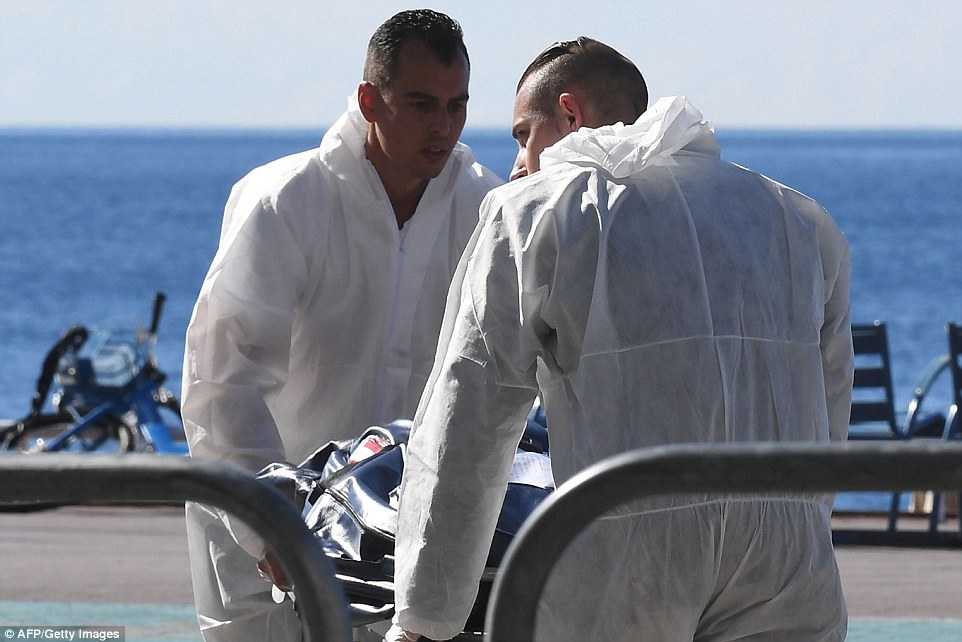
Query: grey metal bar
{"x": 138, "y": 479}
{"x": 730, "y": 468}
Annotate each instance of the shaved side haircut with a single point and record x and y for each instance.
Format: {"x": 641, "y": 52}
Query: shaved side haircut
{"x": 613, "y": 83}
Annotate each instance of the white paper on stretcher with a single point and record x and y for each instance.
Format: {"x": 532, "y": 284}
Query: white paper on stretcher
{"x": 533, "y": 469}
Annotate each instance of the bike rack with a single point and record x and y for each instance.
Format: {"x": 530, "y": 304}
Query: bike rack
{"x": 149, "y": 479}
{"x": 721, "y": 468}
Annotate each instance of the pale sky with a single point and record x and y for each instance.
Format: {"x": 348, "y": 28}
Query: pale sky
{"x": 837, "y": 64}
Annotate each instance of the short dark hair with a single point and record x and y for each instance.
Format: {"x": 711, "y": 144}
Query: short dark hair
{"x": 613, "y": 83}
{"x": 440, "y": 33}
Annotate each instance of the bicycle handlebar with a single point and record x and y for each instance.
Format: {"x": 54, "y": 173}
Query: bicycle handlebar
{"x": 159, "y": 299}
{"x": 72, "y": 339}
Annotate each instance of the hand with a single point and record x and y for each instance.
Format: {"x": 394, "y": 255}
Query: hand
{"x": 397, "y": 634}
{"x": 270, "y": 569}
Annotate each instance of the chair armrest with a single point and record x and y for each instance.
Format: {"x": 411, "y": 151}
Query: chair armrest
{"x": 953, "y": 427}
{"x": 923, "y": 384}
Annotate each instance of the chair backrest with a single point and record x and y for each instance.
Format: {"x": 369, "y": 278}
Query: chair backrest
{"x": 955, "y": 360}
{"x": 872, "y": 397}
{"x": 953, "y": 422}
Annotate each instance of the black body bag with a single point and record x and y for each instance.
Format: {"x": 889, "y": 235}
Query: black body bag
{"x": 348, "y": 494}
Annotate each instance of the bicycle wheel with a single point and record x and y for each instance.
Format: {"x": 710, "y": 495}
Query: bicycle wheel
{"x": 43, "y": 433}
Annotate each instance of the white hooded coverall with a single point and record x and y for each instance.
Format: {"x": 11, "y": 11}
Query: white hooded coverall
{"x": 317, "y": 319}
{"x": 654, "y": 294}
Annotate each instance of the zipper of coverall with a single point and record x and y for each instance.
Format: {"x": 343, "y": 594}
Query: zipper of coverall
{"x": 392, "y": 322}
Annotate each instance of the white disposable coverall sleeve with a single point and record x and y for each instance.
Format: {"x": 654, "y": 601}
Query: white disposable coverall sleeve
{"x": 467, "y": 430}
{"x": 246, "y": 346}
{"x": 241, "y": 352}
{"x": 838, "y": 359}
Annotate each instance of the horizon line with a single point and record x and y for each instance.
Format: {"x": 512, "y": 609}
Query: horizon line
{"x": 468, "y": 129}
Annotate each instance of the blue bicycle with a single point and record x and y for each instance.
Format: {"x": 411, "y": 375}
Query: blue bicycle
{"x": 111, "y": 397}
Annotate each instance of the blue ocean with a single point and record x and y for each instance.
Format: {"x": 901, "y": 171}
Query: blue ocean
{"x": 95, "y": 222}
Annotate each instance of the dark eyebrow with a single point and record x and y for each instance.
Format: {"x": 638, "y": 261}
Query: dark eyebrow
{"x": 420, "y": 95}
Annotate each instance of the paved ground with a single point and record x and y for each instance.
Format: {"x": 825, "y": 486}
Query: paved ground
{"x": 138, "y": 556}
{"x": 79, "y": 554}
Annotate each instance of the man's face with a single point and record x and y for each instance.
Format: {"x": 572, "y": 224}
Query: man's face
{"x": 419, "y": 115}
{"x": 534, "y": 130}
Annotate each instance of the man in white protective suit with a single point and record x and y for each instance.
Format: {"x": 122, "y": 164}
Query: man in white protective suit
{"x": 652, "y": 294}
{"x": 320, "y": 314}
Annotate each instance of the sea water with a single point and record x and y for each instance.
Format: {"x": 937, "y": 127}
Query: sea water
{"x": 94, "y": 222}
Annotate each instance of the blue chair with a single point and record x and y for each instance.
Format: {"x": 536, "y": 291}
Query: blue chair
{"x": 873, "y": 416}
{"x": 873, "y": 402}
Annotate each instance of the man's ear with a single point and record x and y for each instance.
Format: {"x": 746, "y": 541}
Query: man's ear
{"x": 367, "y": 98}
{"x": 571, "y": 112}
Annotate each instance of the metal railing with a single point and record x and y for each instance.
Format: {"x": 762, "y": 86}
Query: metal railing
{"x": 733, "y": 468}
{"x": 149, "y": 479}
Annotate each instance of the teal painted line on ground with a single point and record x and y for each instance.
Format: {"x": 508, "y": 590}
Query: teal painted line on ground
{"x": 893, "y": 630}
{"x": 166, "y": 623}
{"x": 141, "y": 622}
